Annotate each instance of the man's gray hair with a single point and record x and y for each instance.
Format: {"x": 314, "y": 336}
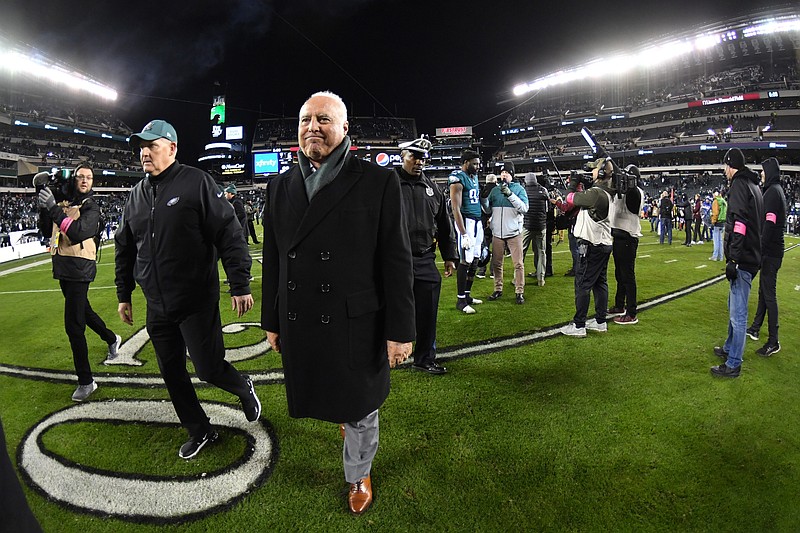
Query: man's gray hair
{"x": 333, "y": 96}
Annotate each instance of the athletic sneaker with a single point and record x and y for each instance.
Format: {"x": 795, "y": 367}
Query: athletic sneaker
{"x": 83, "y": 392}
{"x": 769, "y": 349}
{"x": 195, "y": 444}
{"x": 465, "y": 308}
{"x": 573, "y": 331}
{"x": 113, "y": 348}
{"x": 724, "y": 371}
{"x": 626, "y": 320}
{"x": 250, "y": 403}
{"x": 752, "y": 333}
{"x": 593, "y": 325}
{"x": 473, "y": 301}
{"x": 615, "y": 311}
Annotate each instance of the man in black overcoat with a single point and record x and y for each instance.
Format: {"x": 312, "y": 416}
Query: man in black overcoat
{"x": 338, "y": 285}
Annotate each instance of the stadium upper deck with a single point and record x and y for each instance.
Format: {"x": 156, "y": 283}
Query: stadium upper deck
{"x": 737, "y": 85}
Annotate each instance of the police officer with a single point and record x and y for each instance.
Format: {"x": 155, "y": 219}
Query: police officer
{"x": 428, "y": 224}
{"x": 73, "y": 223}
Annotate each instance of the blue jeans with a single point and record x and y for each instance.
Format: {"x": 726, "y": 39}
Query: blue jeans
{"x": 717, "y": 236}
{"x": 666, "y": 230}
{"x": 737, "y": 325}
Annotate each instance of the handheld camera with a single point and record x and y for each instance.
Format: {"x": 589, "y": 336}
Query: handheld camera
{"x": 58, "y": 180}
{"x": 622, "y": 179}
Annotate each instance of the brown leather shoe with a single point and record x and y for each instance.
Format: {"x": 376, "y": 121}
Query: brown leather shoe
{"x": 341, "y": 430}
{"x": 360, "y": 497}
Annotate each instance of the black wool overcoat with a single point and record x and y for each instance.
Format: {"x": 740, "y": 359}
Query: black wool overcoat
{"x": 337, "y": 284}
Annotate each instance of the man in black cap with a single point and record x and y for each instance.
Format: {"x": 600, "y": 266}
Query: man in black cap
{"x": 743, "y": 224}
{"x": 771, "y": 256}
{"x": 428, "y": 224}
{"x": 174, "y": 227}
{"x": 626, "y": 229}
{"x": 238, "y": 208}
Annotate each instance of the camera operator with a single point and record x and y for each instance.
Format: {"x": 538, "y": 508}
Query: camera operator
{"x": 73, "y": 222}
{"x": 626, "y": 229}
{"x": 593, "y": 236}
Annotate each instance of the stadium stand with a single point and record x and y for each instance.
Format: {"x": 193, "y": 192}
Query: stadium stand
{"x": 674, "y": 120}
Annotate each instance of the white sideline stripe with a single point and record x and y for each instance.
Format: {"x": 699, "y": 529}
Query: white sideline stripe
{"x": 275, "y": 376}
{"x": 671, "y": 261}
{"x": 54, "y": 290}
{"x": 642, "y": 256}
{"x": 700, "y": 266}
{"x": 25, "y": 267}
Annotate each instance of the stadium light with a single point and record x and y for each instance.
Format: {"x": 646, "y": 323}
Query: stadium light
{"x": 15, "y": 61}
{"x": 660, "y": 53}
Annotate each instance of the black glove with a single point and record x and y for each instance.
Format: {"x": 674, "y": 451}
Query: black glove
{"x": 574, "y": 180}
{"x": 48, "y": 202}
{"x": 730, "y": 271}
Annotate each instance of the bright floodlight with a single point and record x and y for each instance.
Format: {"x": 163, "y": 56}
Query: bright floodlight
{"x": 17, "y": 62}
{"x": 659, "y": 53}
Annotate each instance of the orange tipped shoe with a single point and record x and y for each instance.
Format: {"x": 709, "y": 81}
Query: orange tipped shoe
{"x": 360, "y": 497}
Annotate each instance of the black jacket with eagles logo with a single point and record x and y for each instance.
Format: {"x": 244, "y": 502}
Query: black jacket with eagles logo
{"x": 174, "y": 227}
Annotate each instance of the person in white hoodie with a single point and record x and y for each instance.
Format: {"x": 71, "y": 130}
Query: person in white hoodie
{"x": 506, "y": 204}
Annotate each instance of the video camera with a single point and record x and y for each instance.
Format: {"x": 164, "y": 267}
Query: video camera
{"x": 622, "y": 179}
{"x": 59, "y": 181}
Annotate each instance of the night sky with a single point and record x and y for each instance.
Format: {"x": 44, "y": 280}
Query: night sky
{"x": 443, "y": 62}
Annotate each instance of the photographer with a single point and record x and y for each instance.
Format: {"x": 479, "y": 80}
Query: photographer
{"x": 507, "y": 203}
{"x": 626, "y": 229}
{"x": 73, "y": 219}
{"x": 593, "y": 235}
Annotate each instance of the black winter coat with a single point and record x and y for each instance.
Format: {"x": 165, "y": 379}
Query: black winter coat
{"x": 337, "y": 285}
{"x": 68, "y": 268}
{"x": 173, "y": 230}
{"x": 744, "y": 221}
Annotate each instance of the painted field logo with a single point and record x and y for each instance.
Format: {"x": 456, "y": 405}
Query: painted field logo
{"x": 382, "y": 159}
{"x": 146, "y": 498}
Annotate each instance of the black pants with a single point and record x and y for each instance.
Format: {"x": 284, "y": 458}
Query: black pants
{"x": 688, "y": 227}
{"x": 201, "y": 333}
{"x": 14, "y": 510}
{"x": 251, "y": 230}
{"x": 591, "y": 278}
{"x": 624, "y": 251}
{"x": 78, "y": 314}
{"x": 426, "y": 301}
{"x": 767, "y": 297}
{"x": 697, "y": 236}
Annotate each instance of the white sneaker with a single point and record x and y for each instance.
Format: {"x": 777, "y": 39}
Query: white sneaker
{"x": 113, "y": 348}
{"x": 573, "y": 331}
{"x": 475, "y": 301}
{"x": 468, "y": 310}
{"x": 592, "y": 325}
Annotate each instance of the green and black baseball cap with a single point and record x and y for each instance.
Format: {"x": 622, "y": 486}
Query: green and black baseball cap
{"x": 155, "y": 129}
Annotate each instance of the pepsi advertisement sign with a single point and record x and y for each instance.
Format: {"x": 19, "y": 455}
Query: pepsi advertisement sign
{"x": 383, "y": 156}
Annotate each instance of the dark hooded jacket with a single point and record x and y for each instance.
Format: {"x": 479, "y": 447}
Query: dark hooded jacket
{"x": 744, "y": 221}
{"x": 774, "y": 210}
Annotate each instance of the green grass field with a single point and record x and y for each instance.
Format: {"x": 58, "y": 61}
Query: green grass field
{"x": 624, "y": 431}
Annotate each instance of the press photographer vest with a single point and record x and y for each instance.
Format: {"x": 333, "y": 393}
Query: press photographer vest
{"x": 60, "y": 243}
{"x": 622, "y": 218}
{"x": 594, "y": 231}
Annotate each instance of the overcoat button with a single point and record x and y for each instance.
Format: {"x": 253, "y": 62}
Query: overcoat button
{"x": 325, "y": 319}
{"x": 292, "y": 316}
{"x": 292, "y": 285}
{"x": 325, "y": 256}
{"x": 292, "y": 254}
{"x": 325, "y": 287}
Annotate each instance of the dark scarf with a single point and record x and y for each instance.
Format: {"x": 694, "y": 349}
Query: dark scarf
{"x": 327, "y": 171}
